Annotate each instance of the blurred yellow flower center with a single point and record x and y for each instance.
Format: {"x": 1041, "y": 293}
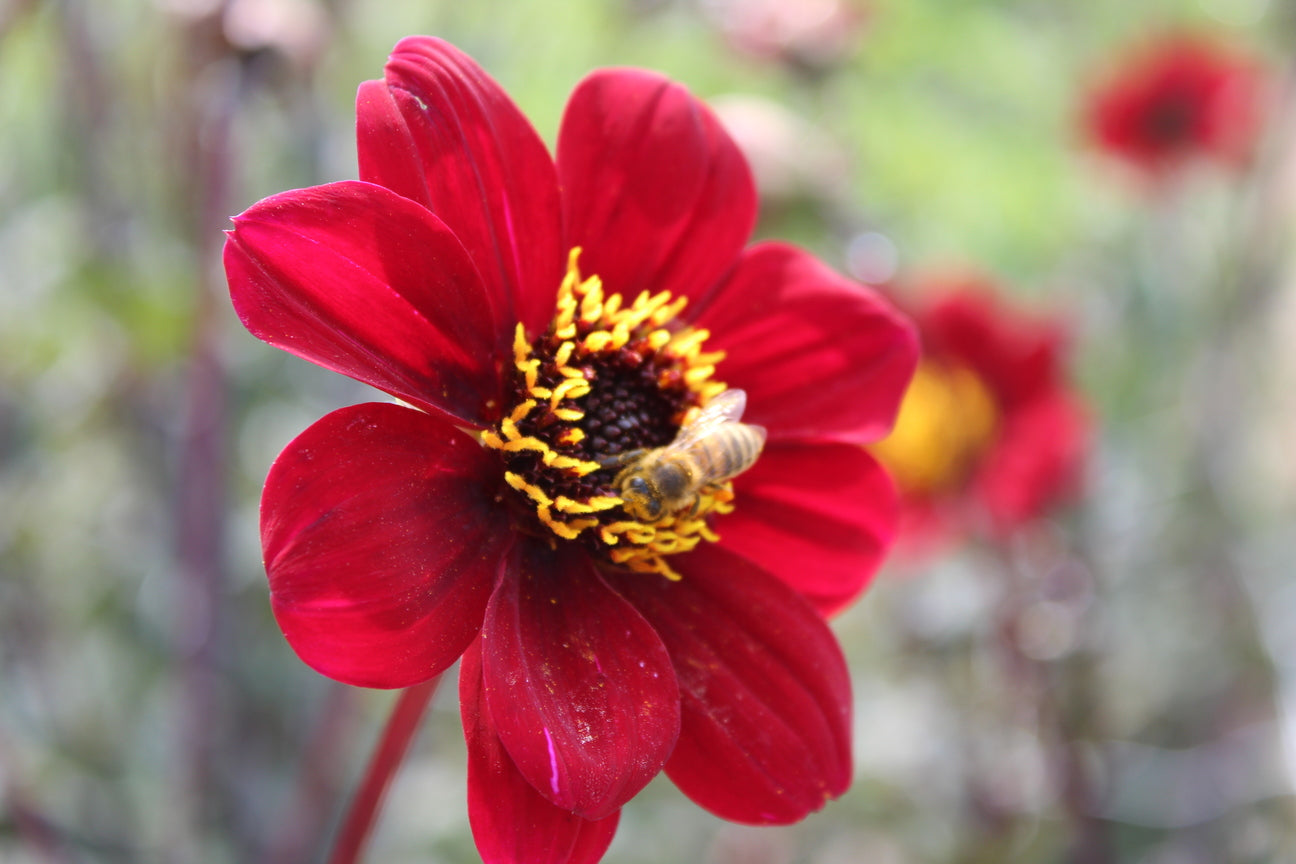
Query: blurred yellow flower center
{"x": 606, "y": 381}
{"x": 946, "y": 420}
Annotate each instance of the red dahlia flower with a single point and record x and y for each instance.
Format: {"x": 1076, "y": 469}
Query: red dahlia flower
{"x": 1178, "y": 98}
{"x": 540, "y": 321}
{"x": 990, "y": 433}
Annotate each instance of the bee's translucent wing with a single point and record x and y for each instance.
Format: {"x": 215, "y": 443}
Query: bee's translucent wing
{"x": 727, "y": 407}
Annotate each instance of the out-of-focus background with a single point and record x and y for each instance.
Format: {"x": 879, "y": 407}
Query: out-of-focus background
{"x": 1113, "y": 681}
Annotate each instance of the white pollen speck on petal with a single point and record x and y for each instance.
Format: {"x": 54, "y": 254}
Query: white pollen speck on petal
{"x": 553, "y": 763}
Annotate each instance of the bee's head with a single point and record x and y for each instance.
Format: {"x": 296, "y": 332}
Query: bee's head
{"x": 641, "y": 498}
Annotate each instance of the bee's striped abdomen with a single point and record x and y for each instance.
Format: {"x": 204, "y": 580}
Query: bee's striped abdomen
{"x": 730, "y": 449}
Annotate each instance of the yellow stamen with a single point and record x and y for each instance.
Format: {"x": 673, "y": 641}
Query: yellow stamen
{"x": 690, "y": 342}
{"x": 522, "y": 410}
{"x": 571, "y": 415}
{"x": 698, "y": 374}
{"x": 563, "y": 354}
{"x": 569, "y": 388}
{"x": 571, "y": 436}
{"x": 533, "y": 492}
{"x": 946, "y": 421}
{"x": 658, "y": 339}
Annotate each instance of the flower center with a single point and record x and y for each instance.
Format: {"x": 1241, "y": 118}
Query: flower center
{"x": 946, "y": 421}
{"x": 1169, "y": 121}
{"x": 604, "y": 387}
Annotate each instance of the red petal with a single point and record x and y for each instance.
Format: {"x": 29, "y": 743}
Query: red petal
{"x": 512, "y": 822}
{"x": 821, "y": 517}
{"x": 593, "y": 840}
{"x": 765, "y": 731}
{"x": 1037, "y": 461}
{"x": 654, "y": 190}
{"x": 440, "y": 131}
{"x": 1017, "y": 354}
{"x": 578, "y": 683}
{"x": 1176, "y": 97}
{"x": 819, "y": 355}
{"x": 361, "y": 281}
{"x": 382, "y": 542}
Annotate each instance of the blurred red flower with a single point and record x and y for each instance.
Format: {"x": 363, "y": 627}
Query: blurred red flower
{"x": 478, "y": 515}
{"x": 1179, "y": 97}
{"x": 990, "y": 433}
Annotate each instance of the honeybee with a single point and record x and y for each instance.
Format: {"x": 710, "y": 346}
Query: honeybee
{"x": 710, "y": 449}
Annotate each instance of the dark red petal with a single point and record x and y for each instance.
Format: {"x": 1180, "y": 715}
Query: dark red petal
{"x": 1017, "y": 354}
{"x": 512, "y": 822}
{"x": 440, "y": 131}
{"x": 1037, "y": 461}
{"x": 821, "y": 517}
{"x": 1176, "y": 97}
{"x": 382, "y": 542}
{"x": 766, "y": 703}
{"x": 655, "y": 192}
{"x": 580, "y": 686}
{"x": 361, "y": 281}
{"x": 594, "y": 839}
{"x": 819, "y": 355}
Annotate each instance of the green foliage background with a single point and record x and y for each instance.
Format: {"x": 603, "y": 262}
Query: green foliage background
{"x": 150, "y": 709}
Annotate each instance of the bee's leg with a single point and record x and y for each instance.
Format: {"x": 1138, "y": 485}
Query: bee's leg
{"x": 696, "y": 505}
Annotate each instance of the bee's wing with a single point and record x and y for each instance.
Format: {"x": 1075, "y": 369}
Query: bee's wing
{"x": 727, "y": 407}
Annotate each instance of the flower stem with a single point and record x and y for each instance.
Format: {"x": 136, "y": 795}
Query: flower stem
{"x": 387, "y": 757}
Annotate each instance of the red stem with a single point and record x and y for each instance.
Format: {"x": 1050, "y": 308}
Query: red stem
{"x": 387, "y": 757}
